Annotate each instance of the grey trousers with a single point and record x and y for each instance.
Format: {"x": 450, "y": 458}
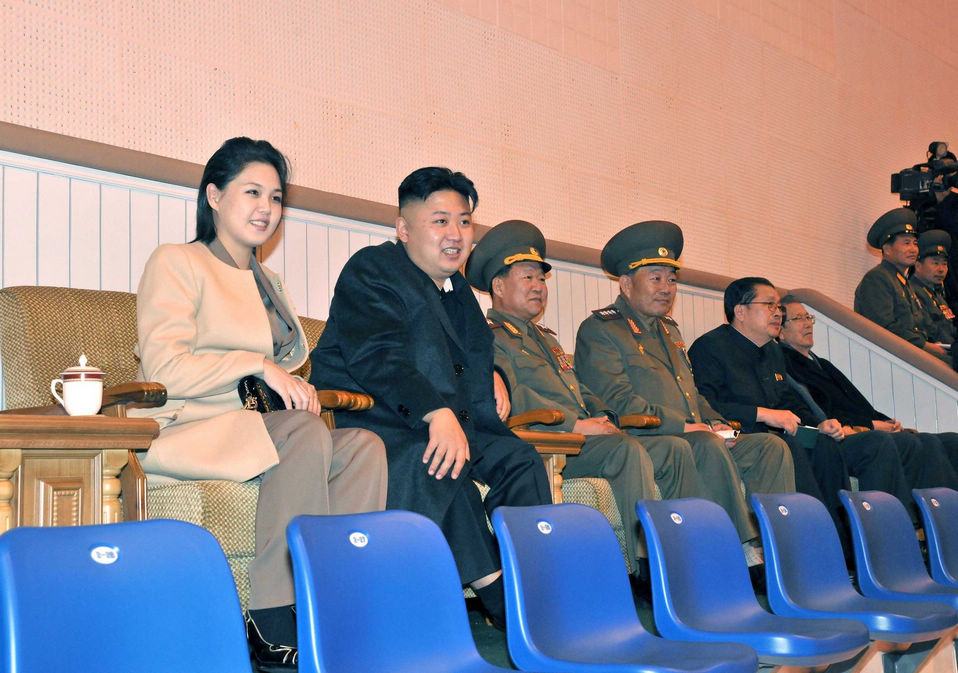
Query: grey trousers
{"x": 626, "y": 465}
{"x": 762, "y": 461}
{"x": 319, "y": 472}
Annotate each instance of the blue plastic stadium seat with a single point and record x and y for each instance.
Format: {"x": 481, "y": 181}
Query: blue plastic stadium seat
{"x": 140, "y": 596}
{"x": 569, "y": 606}
{"x": 379, "y": 592}
{"x": 807, "y": 577}
{"x": 701, "y": 590}
{"x": 887, "y": 555}
{"x": 939, "y": 511}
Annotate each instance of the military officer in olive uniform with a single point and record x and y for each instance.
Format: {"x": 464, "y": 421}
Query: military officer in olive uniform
{"x": 509, "y": 264}
{"x": 884, "y": 295}
{"x": 631, "y": 354}
{"x": 927, "y": 281}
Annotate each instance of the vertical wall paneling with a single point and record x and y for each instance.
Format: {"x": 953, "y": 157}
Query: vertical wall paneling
{"x": 296, "y": 272}
{"x": 321, "y": 285}
{"x": 85, "y": 261}
{"x": 20, "y": 227}
{"x": 115, "y": 238}
{"x": 67, "y": 225}
{"x": 144, "y": 232}
{"x": 903, "y": 391}
{"x": 53, "y": 230}
{"x": 171, "y": 220}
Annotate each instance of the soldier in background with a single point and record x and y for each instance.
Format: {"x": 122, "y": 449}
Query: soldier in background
{"x": 927, "y": 281}
{"x": 884, "y": 295}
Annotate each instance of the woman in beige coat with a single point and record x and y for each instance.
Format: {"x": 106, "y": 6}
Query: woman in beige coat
{"x": 208, "y": 314}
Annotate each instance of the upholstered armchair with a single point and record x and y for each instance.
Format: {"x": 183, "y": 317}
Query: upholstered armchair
{"x": 43, "y": 330}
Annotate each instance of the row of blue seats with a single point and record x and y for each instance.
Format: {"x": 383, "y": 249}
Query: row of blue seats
{"x": 380, "y": 591}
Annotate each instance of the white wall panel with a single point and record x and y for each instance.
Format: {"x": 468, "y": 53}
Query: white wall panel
{"x": 115, "y": 238}
{"x": 85, "y": 234}
{"x": 53, "y": 230}
{"x": 19, "y": 227}
{"x": 67, "y": 225}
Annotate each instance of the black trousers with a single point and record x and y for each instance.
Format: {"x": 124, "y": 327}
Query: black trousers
{"x": 516, "y": 477}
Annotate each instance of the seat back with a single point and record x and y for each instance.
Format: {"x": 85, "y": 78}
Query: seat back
{"x": 939, "y": 511}
{"x": 699, "y": 574}
{"x": 149, "y": 595}
{"x": 804, "y": 563}
{"x": 43, "y": 330}
{"x": 378, "y": 592}
{"x": 567, "y": 591}
{"x": 887, "y": 555}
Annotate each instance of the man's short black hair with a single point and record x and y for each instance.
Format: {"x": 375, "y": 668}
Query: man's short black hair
{"x": 422, "y": 182}
{"x": 742, "y": 291}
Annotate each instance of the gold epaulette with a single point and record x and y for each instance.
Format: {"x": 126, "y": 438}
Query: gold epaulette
{"x": 607, "y": 313}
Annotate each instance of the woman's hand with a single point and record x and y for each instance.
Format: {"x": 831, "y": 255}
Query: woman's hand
{"x": 296, "y": 393}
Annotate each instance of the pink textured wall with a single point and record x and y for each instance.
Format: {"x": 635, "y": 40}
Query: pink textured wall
{"x": 766, "y": 128}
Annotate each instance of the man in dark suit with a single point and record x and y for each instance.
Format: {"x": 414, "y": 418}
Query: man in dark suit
{"x": 741, "y": 371}
{"x": 924, "y": 456}
{"x": 405, "y": 327}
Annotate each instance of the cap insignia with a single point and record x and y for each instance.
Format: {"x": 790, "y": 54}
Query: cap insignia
{"x": 779, "y": 377}
{"x": 663, "y": 252}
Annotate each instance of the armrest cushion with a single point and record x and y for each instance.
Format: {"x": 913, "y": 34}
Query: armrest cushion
{"x": 639, "y": 421}
{"x": 537, "y": 416}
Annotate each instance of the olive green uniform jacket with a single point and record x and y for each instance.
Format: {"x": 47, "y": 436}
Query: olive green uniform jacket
{"x": 639, "y": 366}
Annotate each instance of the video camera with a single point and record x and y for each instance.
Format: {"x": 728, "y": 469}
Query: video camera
{"x": 912, "y": 182}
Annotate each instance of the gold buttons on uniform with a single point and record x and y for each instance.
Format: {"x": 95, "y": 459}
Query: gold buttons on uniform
{"x": 678, "y": 377}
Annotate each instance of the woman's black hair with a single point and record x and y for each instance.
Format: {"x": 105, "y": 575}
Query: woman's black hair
{"x": 226, "y": 163}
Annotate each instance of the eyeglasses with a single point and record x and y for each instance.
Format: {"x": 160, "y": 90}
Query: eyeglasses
{"x": 802, "y": 318}
{"x": 772, "y": 306}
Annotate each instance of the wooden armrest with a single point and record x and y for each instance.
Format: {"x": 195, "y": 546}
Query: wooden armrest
{"x": 639, "y": 421}
{"x": 135, "y": 393}
{"x": 539, "y": 416}
{"x": 342, "y": 400}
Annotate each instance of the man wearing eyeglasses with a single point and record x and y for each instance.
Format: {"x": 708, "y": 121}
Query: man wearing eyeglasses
{"x": 924, "y": 456}
{"x": 740, "y": 369}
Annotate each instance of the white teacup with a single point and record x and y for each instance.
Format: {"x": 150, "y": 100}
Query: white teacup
{"x": 82, "y": 389}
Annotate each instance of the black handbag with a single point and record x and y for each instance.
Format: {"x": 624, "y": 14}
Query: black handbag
{"x": 257, "y": 396}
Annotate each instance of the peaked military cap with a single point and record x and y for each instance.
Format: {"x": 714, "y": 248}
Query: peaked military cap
{"x": 892, "y": 223}
{"x": 505, "y": 244}
{"x": 643, "y": 244}
{"x": 934, "y": 242}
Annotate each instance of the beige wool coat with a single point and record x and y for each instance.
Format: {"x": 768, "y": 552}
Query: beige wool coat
{"x": 201, "y": 327}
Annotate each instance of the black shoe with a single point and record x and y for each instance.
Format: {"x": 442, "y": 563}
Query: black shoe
{"x": 268, "y": 656}
{"x": 493, "y": 604}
